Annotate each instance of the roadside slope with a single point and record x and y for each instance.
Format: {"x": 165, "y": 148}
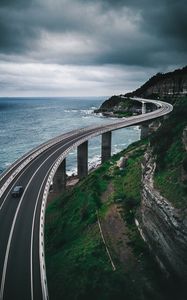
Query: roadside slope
{"x": 78, "y": 266}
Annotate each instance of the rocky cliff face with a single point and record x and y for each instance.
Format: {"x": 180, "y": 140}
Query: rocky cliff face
{"x": 184, "y": 138}
{"x": 168, "y": 87}
{"x": 163, "y": 227}
{"x": 164, "y": 85}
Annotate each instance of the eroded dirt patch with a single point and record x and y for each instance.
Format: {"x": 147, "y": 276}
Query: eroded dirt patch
{"x": 116, "y": 232}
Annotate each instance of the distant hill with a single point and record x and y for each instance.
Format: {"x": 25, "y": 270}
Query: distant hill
{"x": 171, "y": 84}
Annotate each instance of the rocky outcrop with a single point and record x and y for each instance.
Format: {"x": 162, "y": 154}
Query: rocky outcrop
{"x": 117, "y": 104}
{"x": 162, "y": 226}
{"x": 172, "y": 84}
{"x": 110, "y": 103}
{"x": 184, "y": 138}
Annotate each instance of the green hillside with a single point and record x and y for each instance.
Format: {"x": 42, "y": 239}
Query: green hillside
{"x": 171, "y": 156}
{"x": 78, "y": 265}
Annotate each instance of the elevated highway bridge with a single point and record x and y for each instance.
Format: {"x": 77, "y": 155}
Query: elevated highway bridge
{"x": 22, "y": 257}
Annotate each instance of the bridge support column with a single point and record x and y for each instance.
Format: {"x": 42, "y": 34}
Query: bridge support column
{"x": 82, "y": 160}
{"x": 59, "y": 180}
{"x": 106, "y": 146}
{"x": 144, "y": 131}
{"x": 143, "y": 108}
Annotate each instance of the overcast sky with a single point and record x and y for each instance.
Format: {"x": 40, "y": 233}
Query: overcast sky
{"x": 88, "y": 47}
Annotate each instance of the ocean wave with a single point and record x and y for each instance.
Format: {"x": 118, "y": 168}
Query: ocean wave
{"x": 40, "y": 127}
{"x": 85, "y": 117}
{"x": 71, "y": 110}
{"x": 136, "y": 127}
{"x": 94, "y": 162}
{"x": 98, "y": 115}
{"x": 86, "y": 111}
{"x": 72, "y": 171}
{"x": 44, "y": 107}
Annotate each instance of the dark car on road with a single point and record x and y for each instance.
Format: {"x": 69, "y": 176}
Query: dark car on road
{"x": 17, "y": 191}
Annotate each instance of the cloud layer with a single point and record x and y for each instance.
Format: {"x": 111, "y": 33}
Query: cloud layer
{"x": 121, "y": 37}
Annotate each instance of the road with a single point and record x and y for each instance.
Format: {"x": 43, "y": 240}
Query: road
{"x": 22, "y": 258}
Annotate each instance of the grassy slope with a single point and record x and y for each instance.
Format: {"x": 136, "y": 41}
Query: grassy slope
{"x": 77, "y": 264}
{"x": 171, "y": 156}
{"x": 118, "y": 106}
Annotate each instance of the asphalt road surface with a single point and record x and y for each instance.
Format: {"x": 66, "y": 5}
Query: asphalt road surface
{"x": 22, "y": 262}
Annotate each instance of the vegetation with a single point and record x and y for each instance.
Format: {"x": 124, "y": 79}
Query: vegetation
{"x": 109, "y": 103}
{"x": 77, "y": 263}
{"x": 171, "y": 156}
{"x": 159, "y": 78}
{"x": 78, "y": 266}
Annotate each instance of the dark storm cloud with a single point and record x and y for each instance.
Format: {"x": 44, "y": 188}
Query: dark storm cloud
{"x": 168, "y": 20}
{"x": 16, "y": 28}
{"x": 15, "y": 3}
{"x": 127, "y": 32}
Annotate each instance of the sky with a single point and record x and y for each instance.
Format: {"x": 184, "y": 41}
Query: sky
{"x": 88, "y": 47}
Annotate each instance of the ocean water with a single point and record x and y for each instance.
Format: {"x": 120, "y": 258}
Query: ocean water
{"x": 28, "y": 122}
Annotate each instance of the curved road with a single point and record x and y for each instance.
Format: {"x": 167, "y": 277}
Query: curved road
{"x": 22, "y": 263}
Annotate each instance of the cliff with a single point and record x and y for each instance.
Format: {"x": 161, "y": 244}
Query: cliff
{"x": 184, "y": 138}
{"x": 122, "y": 107}
{"x": 164, "y": 227}
{"x": 168, "y": 85}
{"x": 163, "y": 211}
{"x": 97, "y": 209}
{"x": 77, "y": 261}
{"x": 149, "y": 191}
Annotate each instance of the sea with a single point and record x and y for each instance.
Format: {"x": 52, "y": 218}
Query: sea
{"x": 27, "y": 122}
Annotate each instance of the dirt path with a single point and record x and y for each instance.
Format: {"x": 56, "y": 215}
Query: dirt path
{"x": 116, "y": 232}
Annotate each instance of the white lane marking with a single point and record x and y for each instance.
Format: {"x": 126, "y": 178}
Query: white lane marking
{"x": 66, "y": 135}
{"x": 32, "y": 234}
{"x": 17, "y": 181}
{"x": 14, "y": 220}
{"x": 34, "y": 153}
{"x": 49, "y": 143}
{"x": 28, "y": 166}
{"x": 56, "y": 165}
{"x": 10, "y": 238}
{"x": 103, "y": 129}
{"x": 11, "y": 233}
{"x": 13, "y": 225}
{"x": 42, "y": 217}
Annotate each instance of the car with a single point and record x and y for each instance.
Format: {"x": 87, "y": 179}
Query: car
{"x": 17, "y": 191}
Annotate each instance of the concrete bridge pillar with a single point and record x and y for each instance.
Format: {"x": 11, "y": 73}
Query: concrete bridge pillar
{"x": 59, "y": 180}
{"x": 144, "y": 130}
{"x": 106, "y": 146}
{"x": 82, "y": 160}
{"x": 143, "y": 108}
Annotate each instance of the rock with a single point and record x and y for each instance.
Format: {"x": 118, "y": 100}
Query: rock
{"x": 163, "y": 227}
{"x": 121, "y": 163}
{"x": 184, "y": 138}
{"x": 170, "y": 85}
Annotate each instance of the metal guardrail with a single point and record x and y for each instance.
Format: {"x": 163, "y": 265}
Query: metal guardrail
{"x": 163, "y": 109}
{"x": 160, "y": 112}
